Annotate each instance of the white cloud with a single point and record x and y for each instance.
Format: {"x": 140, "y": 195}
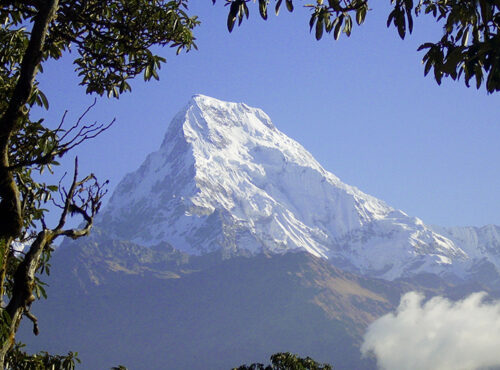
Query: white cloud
{"x": 438, "y": 334}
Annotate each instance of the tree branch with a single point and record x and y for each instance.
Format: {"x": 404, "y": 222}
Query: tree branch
{"x": 73, "y": 203}
{"x": 34, "y": 320}
{"x": 72, "y": 137}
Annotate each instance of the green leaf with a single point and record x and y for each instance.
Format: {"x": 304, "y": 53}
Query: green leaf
{"x": 479, "y": 75}
{"x": 400, "y": 24}
{"x": 44, "y": 100}
{"x": 154, "y": 72}
{"x": 277, "y": 8}
{"x": 263, "y": 8}
{"x": 465, "y": 37}
{"x": 410, "y": 20}
{"x": 427, "y": 67}
{"x": 338, "y": 27}
{"x": 319, "y": 28}
{"x": 427, "y": 45}
{"x": 40, "y": 291}
{"x": 491, "y": 81}
{"x": 361, "y": 15}
{"x": 348, "y": 25}
{"x": 437, "y": 75}
{"x": 245, "y": 9}
{"x": 230, "y": 22}
{"x": 233, "y": 13}
{"x": 453, "y": 59}
{"x": 312, "y": 20}
{"x": 147, "y": 73}
{"x": 391, "y": 17}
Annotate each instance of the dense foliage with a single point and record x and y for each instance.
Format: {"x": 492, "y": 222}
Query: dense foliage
{"x": 17, "y": 359}
{"x": 287, "y": 361}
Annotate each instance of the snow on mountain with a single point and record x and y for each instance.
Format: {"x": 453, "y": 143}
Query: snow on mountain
{"x": 481, "y": 244}
{"x": 226, "y": 178}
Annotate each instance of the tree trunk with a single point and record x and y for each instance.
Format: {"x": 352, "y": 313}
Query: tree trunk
{"x": 22, "y": 292}
{"x": 11, "y": 218}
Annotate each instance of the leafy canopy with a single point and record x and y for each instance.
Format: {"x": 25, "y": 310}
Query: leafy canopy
{"x": 287, "y": 361}
{"x": 18, "y": 360}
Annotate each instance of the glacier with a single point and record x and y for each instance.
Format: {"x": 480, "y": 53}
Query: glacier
{"x": 225, "y": 178}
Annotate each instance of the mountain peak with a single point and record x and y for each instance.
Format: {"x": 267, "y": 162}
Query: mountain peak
{"x": 225, "y": 178}
{"x": 208, "y": 104}
{"x": 204, "y": 100}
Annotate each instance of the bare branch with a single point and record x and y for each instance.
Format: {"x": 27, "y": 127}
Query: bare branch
{"x": 84, "y": 199}
{"x": 86, "y": 133}
{"x": 71, "y": 138}
{"x": 82, "y": 116}
{"x": 61, "y": 123}
{"x": 67, "y": 203}
{"x": 60, "y": 190}
{"x": 42, "y": 220}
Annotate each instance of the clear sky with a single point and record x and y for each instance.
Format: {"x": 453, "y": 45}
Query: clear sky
{"x": 360, "y": 105}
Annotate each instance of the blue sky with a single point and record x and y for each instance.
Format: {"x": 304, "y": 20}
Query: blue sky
{"x": 360, "y": 105}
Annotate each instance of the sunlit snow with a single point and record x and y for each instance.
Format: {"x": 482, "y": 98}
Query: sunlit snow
{"x": 226, "y": 178}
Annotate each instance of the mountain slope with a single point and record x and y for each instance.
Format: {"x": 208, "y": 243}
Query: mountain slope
{"x": 226, "y": 179}
{"x": 231, "y": 243}
{"x": 117, "y": 302}
{"x": 482, "y": 245}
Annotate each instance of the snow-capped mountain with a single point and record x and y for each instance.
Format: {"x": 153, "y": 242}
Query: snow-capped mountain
{"x": 482, "y": 246}
{"x": 226, "y": 178}
{"x": 477, "y": 242}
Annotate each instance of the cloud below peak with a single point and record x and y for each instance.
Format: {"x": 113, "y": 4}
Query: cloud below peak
{"x": 437, "y": 334}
